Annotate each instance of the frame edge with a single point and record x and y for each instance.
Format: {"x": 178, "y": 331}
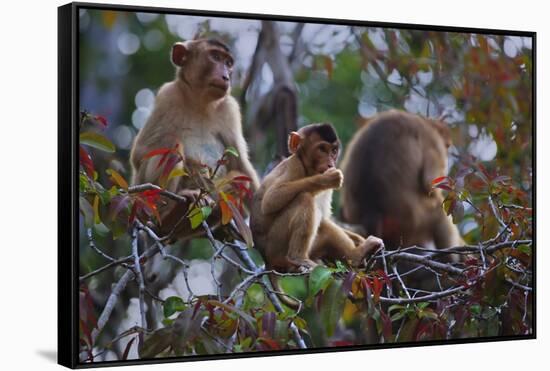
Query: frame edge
{"x": 67, "y": 333}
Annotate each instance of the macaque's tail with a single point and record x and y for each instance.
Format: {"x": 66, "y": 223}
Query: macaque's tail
{"x": 286, "y": 299}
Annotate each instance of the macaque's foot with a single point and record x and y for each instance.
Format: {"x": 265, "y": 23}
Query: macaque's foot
{"x": 371, "y": 245}
{"x": 303, "y": 265}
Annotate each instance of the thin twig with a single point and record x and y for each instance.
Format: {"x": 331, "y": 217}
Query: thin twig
{"x": 114, "y": 263}
{"x": 519, "y": 285}
{"x": 149, "y": 187}
{"x": 165, "y": 255}
{"x": 141, "y": 283}
{"x": 401, "y": 281}
{"x": 388, "y": 287}
{"x": 110, "y": 305}
{"x": 428, "y": 262}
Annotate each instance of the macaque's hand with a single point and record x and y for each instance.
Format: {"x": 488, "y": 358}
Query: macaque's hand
{"x": 332, "y": 178}
{"x": 371, "y": 245}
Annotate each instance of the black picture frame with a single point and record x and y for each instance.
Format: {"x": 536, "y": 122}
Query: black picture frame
{"x": 68, "y": 212}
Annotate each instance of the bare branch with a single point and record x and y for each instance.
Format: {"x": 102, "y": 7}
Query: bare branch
{"x": 111, "y": 302}
{"x": 150, "y": 186}
{"x": 141, "y": 283}
{"x": 519, "y": 285}
{"x": 427, "y": 261}
{"x": 112, "y": 264}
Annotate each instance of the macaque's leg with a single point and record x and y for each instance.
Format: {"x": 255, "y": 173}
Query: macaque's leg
{"x": 301, "y": 233}
{"x": 446, "y": 232}
{"x": 333, "y": 242}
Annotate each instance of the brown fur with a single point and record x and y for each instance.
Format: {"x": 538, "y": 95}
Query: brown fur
{"x": 196, "y": 111}
{"x": 389, "y": 166}
{"x": 291, "y": 212}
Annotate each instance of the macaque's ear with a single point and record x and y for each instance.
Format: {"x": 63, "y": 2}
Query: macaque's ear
{"x": 179, "y": 52}
{"x": 294, "y": 140}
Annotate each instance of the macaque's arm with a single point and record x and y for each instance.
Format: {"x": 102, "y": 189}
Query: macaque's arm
{"x": 279, "y": 195}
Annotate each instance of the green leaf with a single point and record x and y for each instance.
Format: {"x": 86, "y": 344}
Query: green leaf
{"x": 172, "y": 305}
{"x": 422, "y": 305}
{"x": 526, "y": 249}
{"x": 87, "y": 211}
{"x": 255, "y": 295}
{"x": 206, "y": 211}
{"x": 340, "y": 267}
{"x": 333, "y": 306}
{"x": 176, "y": 172}
{"x": 294, "y": 285}
{"x": 196, "y": 217}
{"x": 475, "y": 309}
{"x": 97, "y": 141}
{"x": 84, "y": 184}
{"x": 319, "y": 279}
{"x": 300, "y": 323}
{"x": 97, "y": 220}
{"x": 231, "y": 151}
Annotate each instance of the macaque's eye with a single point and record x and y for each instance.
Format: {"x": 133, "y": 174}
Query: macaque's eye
{"x": 229, "y": 63}
{"x": 334, "y": 151}
{"x": 216, "y": 56}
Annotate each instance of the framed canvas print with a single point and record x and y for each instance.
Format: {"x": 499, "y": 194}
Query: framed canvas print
{"x": 236, "y": 185}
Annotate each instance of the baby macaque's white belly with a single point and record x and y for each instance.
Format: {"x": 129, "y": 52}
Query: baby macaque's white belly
{"x": 322, "y": 207}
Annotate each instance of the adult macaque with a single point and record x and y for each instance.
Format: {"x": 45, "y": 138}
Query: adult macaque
{"x": 291, "y": 211}
{"x": 195, "y": 115}
{"x": 389, "y": 167}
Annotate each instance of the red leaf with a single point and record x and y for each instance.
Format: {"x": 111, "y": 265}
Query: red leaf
{"x": 157, "y": 152}
{"x": 242, "y": 178}
{"x": 272, "y": 344}
{"x": 133, "y": 212}
{"x": 386, "y": 325}
{"x": 149, "y": 206}
{"x": 444, "y": 186}
{"x": 168, "y": 167}
{"x": 383, "y": 274}
{"x": 423, "y": 329}
{"x": 162, "y": 159}
{"x": 86, "y": 162}
{"x": 438, "y": 180}
{"x": 242, "y": 227}
{"x": 376, "y": 288}
{"x": 196, "y": 308}
{"x": 151, "y": 194}
{"x": 102, "y": 120}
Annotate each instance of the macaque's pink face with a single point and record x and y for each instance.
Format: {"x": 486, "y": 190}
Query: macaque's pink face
{"x": 218, "y": 66}
{"x": 206, "y": 65}
{"x": 324, "y": 156}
